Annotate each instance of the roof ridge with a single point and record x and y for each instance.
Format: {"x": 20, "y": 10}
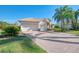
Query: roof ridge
{"x": 30, "y": 19}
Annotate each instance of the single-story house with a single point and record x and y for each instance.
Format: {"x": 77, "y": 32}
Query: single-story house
{"x": 33, "y": 24}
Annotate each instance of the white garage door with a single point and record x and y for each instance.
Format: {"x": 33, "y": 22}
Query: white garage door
{"x": 28, "y": 28}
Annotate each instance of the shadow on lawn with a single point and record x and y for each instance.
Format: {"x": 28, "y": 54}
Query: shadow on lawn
{"x": 12, "y": 39}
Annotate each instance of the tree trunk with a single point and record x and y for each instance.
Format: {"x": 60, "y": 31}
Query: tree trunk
{"x": 62, "y": 25}
{"x": 76, "y": 24}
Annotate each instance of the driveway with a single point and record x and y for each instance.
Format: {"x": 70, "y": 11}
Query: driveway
{"x": 56, "y": 42}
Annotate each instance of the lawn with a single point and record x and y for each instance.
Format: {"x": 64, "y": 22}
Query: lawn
{"x": 19, "y": 44}
{"x": 0, "y": 31}
{"x": 74, "y": 32}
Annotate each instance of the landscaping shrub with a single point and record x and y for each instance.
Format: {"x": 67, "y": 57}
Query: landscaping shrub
{"x": 57, "y": 29}
{"x": 64, "y": 30}
{"x": 11, "y": 30}
{"x": 56, "y": 26}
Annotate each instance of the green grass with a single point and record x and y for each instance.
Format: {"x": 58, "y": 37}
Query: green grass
{"x": 19, "y": 44}
{"x": 74, "y": 32}
{"x": 0, "y": 31}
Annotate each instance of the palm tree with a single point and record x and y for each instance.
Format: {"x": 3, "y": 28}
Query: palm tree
{"x": 76, "y": 14}
{"x": 74, "y": 18}
{"x": 68, "y": 16}
{"x": 62, "y": 15}
{"x": 58, "y": 16}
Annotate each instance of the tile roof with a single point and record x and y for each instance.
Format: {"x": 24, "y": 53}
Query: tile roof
{"x": 31, "y": 20}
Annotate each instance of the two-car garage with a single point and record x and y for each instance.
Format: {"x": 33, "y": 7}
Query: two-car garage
{"x": 29, "y": 24}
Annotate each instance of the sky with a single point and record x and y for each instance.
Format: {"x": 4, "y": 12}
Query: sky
{"x": 13, "y": 13}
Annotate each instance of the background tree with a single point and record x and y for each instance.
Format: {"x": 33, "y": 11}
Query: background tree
{"x": 3, "y": 24}
{"x": 67, "y": 16}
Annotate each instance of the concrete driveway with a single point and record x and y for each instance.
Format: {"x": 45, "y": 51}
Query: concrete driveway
{"x": 56, "y": 42}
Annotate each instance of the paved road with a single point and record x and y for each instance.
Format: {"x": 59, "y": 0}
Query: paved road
{"x": 55, "y": 42}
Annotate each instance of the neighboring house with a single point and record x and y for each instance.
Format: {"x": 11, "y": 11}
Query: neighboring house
{"x": 33, "y": 24}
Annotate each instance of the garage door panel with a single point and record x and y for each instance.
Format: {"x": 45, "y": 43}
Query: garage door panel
{"x": 29, "y": 28}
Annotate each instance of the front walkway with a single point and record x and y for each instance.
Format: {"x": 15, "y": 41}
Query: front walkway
{"x": 56, "y": 42}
